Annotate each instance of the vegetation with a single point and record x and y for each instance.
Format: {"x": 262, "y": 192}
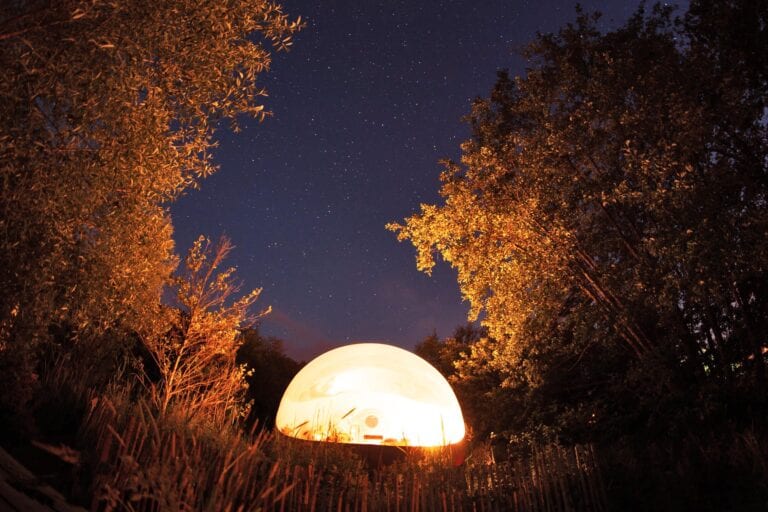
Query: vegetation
{"x": 108, "y": 112}
{"x": 141, "y": 460}
{"x": 608, "y": 218}
{"x": 609, "y": 213}
{"x": 269, "y": 373}
{"x": 196, "y": 359}
{"x": 608, "y": 221}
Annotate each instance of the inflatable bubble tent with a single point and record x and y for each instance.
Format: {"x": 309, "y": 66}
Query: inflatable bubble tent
{"x": 373, "y": 394}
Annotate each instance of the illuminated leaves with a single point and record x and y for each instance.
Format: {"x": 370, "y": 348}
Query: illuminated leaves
{"x": 601, "y": 202}
{"x": 197, "y": 357}
{"x": 108, "y": 112}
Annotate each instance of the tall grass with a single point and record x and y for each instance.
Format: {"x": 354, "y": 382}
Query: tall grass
{"x": 136, "y": 457}
{"x": 141, "y": 461}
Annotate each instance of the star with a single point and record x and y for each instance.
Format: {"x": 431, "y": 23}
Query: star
{"x": 367, "y": 101}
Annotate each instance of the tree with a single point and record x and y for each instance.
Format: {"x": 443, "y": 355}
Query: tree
{"x": 484, "y": 407}
{"x": 609, "y": 213}
{"x": 443, "y": 354}
{"x": 199, "y": 373}
{"x": 269, "y": 371}
{"x": 108, "y": 111}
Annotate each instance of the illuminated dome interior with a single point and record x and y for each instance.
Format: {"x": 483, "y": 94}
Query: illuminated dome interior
{"x": 371, "y": 393}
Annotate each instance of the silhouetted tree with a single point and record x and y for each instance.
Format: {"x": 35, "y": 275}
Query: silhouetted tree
{"x": 485, "y": 405}
{"x": 269, "y": 371}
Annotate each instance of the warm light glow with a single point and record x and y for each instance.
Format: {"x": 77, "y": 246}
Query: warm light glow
{"x": 370, "y": 393}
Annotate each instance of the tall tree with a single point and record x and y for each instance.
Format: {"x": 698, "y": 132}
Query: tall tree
{"x": 107, "y": 111}
{"x": 611, "y": 208}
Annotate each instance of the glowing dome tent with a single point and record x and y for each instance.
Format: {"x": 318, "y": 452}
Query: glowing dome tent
{"x": 371, "y": 393}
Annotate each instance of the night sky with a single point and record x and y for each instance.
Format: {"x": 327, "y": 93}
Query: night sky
{"x": 365, "y": 104}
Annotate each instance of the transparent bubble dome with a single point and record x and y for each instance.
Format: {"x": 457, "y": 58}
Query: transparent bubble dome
{"x": 371, "y": 393}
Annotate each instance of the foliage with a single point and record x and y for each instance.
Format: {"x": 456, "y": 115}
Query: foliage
{"x": 132, "y": 458}
{"x": 269, "y": 371}
{"x": 609, "y": 218}
{"x": 107, "y": 111}
{"x": 145, "y": 462}
{"x": 722, "y": 470}
{"x": 197, "y": 358}
{"x": 442, "y": 354}
{"x": 475, "y": 392}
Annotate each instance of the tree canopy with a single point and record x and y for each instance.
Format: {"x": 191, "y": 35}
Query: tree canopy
{"x": 610, "y": 211}
{"x": 107, "y": 113}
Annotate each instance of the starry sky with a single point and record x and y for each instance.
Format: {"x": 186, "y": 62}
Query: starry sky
{"x": 366, "y": 103}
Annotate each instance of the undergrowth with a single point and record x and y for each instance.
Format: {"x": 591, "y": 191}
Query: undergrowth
{"x": 135, "y": 457}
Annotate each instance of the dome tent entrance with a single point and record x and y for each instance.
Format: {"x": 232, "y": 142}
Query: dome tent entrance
{"x": 371, "y": 393}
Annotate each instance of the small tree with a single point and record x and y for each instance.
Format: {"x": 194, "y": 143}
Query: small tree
{"x": 196, "y": 358}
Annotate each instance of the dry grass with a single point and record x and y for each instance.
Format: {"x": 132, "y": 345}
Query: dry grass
{"x": 142, "y": 461}
{"x": 134, "y": 457}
